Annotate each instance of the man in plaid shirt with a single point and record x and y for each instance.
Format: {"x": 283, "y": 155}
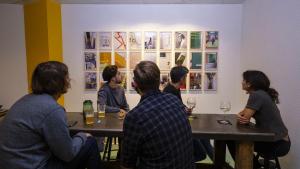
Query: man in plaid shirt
{"x": 157, "y": 133}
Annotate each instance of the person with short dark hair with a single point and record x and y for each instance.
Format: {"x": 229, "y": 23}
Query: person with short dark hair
{"x": 178, "y": 76}
{"x": 157, "y": 133}
{"x": 111, "y": 93}
{"x": 262, "y": 107}
{"x": 34, "y": 133}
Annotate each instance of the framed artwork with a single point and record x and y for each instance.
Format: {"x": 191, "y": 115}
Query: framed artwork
{"x": 196, "y": 60}
{"x": 134, "y": 59}
{"x": 135, "y": 40}
{"x": 120, "y": 41}
{"x": 212, "y": 40}
{"x": 150, "y": 40}
{"x": 165, "y": 40}
{"x": 124, "y": 80}
{"x": 90, "y": 40}
{"x": 210, "y": 83}
{"x": 90, "y": 80}
{"x": 105, "y": 59}
{"x": 164, "y": 60}
{"x": 164, "y": 80}
{"x": 180, "y": 40}
{"x": 90, "y": 63}
{"x": 105, "y": 40}
{"x": 195, "y": 81}
{"x": 196, "y": 40}
{"x": 180, "y": 58}
{"x": 130, "y": 79}
{"x": 211, "y": 61}
{"x": 120, "y": 60}
{"x": 150, "y": 56}
{"x": 101, "y": 81}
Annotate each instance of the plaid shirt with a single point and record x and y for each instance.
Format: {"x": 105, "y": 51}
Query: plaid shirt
{"x": 157, "y": 134}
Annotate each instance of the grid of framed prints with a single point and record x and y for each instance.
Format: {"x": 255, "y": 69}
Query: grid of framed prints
{"x": 197, "y": 50}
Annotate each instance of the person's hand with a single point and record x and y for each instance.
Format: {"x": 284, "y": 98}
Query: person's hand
{"x": 88, "y": 135}
{"x": 122, "y": 113}
{"x": 241, "y": 119}
{"x": 189, "y": 110}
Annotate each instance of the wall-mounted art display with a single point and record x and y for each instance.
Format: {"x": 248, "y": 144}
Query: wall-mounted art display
{"x": 196, "y": 60}
{"x": 165, "y": 40}
{"x": 165, "y": 60}
{"x": 120, "y": 41}
{"x": 180, "y": 40}
{"x": 196, "y": 40}
{"x": 120, "y": 60}
{"x": 180, "y": 59}
{"x": 211, "y": 61}
{"x": 134, "y": 59}
{"x": 130, "y": 79}
{"x": 195, "y": 81}
{"x": 212, "y": 39}
{"x": 195, "y": 49}
{"x": 90, "y": 63}
{"x": 210, "y": 81}
{"x": 150, "y": 40}
{"x": 105, "y": 59}
{"x": 90, "y": 80}
{"x": 90, "y": 40}
{"x": 164, "y": 80}
{"x": 150, "y": 56}
{"x": 124, "y": 80}
{"x": 135, "y": 40}
{"x": 105, "y": 40}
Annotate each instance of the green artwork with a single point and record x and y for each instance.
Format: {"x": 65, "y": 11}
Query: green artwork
{"x": 196, "y": 60}
{"x": 195, "y": 40}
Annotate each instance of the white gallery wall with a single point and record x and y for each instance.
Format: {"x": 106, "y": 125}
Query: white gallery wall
{"x": 13, "y": 67}
{"x": 271, "y": 40}
{"x": 227, "y": 19}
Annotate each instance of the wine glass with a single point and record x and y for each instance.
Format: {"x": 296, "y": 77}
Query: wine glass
{"x": 225, "y": 106}
{"x": 191, "y": 103}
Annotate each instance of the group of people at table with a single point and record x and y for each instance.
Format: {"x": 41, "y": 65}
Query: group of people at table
{"x": 157, "y": 132}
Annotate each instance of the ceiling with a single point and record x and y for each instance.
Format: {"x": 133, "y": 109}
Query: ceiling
{"x": 132, "y": 1}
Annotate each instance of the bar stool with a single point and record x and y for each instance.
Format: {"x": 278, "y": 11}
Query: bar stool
{"x": 267, "y": 161}
{"x": 108, "y": 148}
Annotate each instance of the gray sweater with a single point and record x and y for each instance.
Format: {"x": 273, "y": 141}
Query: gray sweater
{"x": 34, "y": 129}
{"x": 114, "y": 99}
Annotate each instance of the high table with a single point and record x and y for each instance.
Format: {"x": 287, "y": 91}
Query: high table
{"x": 203, "y": 126}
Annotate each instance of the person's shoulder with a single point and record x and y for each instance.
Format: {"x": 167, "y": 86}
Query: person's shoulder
{"x": 169, "y": 96}
{"x": 104, "y": 88}
{"x": 260, "y": 93}
{"x": 168, "y": 88}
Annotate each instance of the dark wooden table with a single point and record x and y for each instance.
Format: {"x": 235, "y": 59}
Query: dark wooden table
{"x": 203, "y": 126}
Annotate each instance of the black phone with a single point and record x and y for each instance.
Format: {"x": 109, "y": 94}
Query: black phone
{"x": 72, "y": 123}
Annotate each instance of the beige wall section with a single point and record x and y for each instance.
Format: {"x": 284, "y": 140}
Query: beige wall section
{"x": 43, "y": 34}
{"x": 13, "y": 76}
{"x": 271, "y": 38}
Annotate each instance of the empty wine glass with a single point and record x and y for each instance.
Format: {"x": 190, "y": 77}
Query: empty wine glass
{"x": 191, "y": 102}
{"x": 225, "y": 106}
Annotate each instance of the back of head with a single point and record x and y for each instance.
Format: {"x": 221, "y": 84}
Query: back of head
{"x": 51, "y": 78}
{"x": 177, "y": 73}
{"x": 109, "y": 72}
{"x": 259, "y": 81}
{"x": 147, "y": 76}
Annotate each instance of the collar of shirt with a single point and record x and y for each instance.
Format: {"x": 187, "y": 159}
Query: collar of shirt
{"x": 149, "y": 93}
